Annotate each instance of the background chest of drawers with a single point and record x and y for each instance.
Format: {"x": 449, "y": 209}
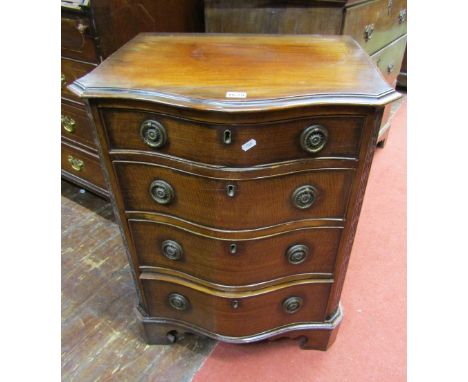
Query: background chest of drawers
{"x": 238, "y": 213}
{"x": 91, "y": 31}
{"x": 379, "y": 26}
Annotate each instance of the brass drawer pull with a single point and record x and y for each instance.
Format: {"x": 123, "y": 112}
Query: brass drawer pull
{"x": 172, "y": 250}
{"x": 227, "y": 137}
{"x": 82, "y": 27}
{"x": 178, "y": 301}
{"x": 304, "y": 196}
{"x": 314, "y": 138}
{"x": 231, "y": 190}
{"x": 68, "y": 124}
{"x": 368, "y": 31}
{"x": 292, "y": 304}
{"x": 161, "y": 191}
{"x": 64, "y": 80}
{"x": 77, "y": 164}
{"x": 297, "y": 254}
{"x": 235, "y": 304}
{"x": 153, "y": 133}
{"x": 402, "y": 16}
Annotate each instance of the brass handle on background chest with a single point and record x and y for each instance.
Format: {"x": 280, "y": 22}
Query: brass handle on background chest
{"x": 304, "y": 196}
{"x": 64, "y": 80}
{"x": 172, "y": 250}
{"x": 297, "y": 254}
{"x": 68, "y": 124}
{"x": 402, "y": 16}
{"x": 77, "y": 164}
{"x": 368, "y": 32}
{"x": 314, "y": 138}
{"x": 161, "y": 191}
{"x": 292, "y": 304}
{"x": 153, "y": 133}
{"x": 82, "y": 26}
{"x": 178, "y": 301}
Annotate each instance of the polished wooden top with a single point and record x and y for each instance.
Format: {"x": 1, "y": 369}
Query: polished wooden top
{"x": 264, "y": 72}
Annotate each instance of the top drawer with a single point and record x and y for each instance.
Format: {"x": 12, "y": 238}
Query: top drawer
{"x": 374, "y": 25}
{"x": 77, "y": 38}
{"x": 235, "y": 144}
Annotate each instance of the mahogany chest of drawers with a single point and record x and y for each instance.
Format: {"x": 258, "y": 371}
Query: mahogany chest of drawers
{"x": 92, "y": 30}
{"x": 237, "y": 168}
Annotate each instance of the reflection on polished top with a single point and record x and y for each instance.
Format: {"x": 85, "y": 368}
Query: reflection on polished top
{"x": 268, "y": 72}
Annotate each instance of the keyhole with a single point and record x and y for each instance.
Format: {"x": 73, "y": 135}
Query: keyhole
{"x": 227, "y": 137}
{"x": 233, "y": 248}
{"x": 231, "y": 190}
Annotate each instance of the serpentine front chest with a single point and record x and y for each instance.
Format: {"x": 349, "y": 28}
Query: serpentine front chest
{"x": 237, "y": 167}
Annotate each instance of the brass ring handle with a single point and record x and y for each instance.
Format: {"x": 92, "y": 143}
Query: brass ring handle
{"x": 77, "y": 164}
{"x": 292, "y": 304}
{"x": 68, "y": 124}
{"x": 178, "y": 301}
{"x": 297, "y": 254}
{"x": 368, "y": 31}
{"x": 153, "y": 133}
{"x": 64, "y": 80}
{"x": 161, "y": 191}
{"x": 172, "y": 250}
{"x": 314, "y": 138}
{"x": 304, "y": 196}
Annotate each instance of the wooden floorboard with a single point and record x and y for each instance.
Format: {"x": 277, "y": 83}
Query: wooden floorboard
{"x": 101, "y": 338}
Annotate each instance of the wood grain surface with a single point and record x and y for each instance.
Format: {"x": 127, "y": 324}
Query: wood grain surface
{"x": 273, "y": 71}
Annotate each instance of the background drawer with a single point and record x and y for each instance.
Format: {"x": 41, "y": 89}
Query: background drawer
{"x": 256, "y": 202}
{"x": 386, "y": 23}
{"x": 71, "y": 71}
{"x": 249, "y": 262}
{"x": 217, "y": 314}
{"x": 275, "y": 141}
{"x": 260, "y": 16}
{"x": 76, "y": 125}
{"x": 82, "y": 164}
{"x": 390, "y": 58}
{"x": 77, "y": 38}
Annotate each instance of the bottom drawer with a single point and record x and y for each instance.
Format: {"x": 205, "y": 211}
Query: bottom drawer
{"x": 232, "y": 314}
{"x": 82, "y": 164}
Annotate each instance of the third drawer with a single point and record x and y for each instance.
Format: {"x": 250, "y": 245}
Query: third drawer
{"x": 235, "y": 262}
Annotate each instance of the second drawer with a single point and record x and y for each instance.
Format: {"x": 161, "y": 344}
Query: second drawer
{"x": 235, "y": 262}
{"x": 234, "y": 204}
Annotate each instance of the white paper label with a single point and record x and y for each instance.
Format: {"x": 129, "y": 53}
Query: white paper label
{"x": 249, "y": 144}
{"x": 236, "y": 95}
